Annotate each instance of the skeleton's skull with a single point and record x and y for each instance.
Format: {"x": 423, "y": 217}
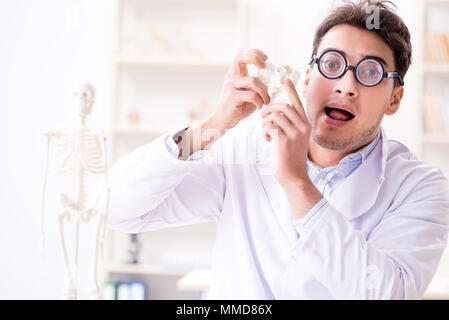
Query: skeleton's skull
{"x": 83, "y": 99}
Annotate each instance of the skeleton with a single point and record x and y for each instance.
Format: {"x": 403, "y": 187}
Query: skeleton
{"x": 80, "y": 155}
{"x": 273, "y": 77}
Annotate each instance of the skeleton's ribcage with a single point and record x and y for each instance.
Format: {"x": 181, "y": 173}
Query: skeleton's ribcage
{"x": 79, "y": 162}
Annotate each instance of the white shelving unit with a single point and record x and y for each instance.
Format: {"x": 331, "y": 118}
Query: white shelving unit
{"x": 435, "y": 147}
{"x": 434, "y": 75}
{"x": 168, "y": 62}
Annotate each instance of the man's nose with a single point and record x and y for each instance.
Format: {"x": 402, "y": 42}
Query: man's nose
{"x": 347, "y": 85}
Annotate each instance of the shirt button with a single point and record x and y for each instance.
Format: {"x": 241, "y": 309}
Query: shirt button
{"x": 276, "y": 206}
{"x": 323, "y": 174}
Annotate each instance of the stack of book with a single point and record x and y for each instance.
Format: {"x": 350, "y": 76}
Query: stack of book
{"x": 126, "y": 290}
{"x": 437, "y": 47}
{"x": 435, "y": 113}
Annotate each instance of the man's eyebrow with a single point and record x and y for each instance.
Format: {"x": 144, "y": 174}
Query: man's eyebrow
{"x": 380, "y": 59}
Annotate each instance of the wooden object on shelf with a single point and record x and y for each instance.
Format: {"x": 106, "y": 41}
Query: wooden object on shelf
{"x": 437, "y": 47}
{"x": 433, "y": 113}
{"x": 134, "y": 117}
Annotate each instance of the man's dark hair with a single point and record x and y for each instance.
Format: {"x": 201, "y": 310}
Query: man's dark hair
{"x": 391, "y": 28}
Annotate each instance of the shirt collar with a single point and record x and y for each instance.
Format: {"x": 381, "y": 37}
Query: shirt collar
{"x": 362, "y": 153}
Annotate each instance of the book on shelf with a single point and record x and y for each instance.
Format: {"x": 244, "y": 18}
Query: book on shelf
{"x": 437, "y": 47}
{"x": 435, "y": 113}
{"x": 125, "y": 290}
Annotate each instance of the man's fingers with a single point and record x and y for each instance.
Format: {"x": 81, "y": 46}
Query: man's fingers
{"x": 249, "y": 96}
{"x": 280, "y": 121}
{"x": 286, "y": 110}
{"x": 254, "y": 84}
{"x": 260, "y": 52}
{"x": 270, "y": 130}
{"x": 241, "y": 60}
{"x": 294, "y": 98}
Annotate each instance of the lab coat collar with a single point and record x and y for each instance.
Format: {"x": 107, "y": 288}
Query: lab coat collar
{"x": 358, "y": 193}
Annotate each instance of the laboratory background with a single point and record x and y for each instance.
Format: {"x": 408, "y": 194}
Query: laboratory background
{"x": 157, "y": 65}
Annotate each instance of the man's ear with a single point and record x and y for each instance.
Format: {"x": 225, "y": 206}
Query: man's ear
{"x": 305, "y": 85}
{"x": 395, "y": 101}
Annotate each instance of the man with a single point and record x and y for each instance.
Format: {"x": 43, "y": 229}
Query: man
{"x": 342, "y": 214}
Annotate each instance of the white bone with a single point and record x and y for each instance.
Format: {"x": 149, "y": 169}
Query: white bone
{"x": 273, "y": 77}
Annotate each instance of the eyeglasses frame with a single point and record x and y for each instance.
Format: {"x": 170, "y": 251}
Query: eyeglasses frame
{"x": 393, "y": 74}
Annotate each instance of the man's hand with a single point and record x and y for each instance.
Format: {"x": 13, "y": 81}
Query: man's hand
{"x": 241, "y": 95}
{"x": 292, "y": 129}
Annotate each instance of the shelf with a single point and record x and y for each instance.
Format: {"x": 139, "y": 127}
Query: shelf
{"x": 145, "y": 269}
{"x": 196, "y": 280}
{"x": 437, "y": 2}
{"x": 435, "y": 139}
{"x": 190, "y": 2}
{"x": 437, "y": 68}
{"x": 138, "y": 130}
{"x": 171, "y": 62}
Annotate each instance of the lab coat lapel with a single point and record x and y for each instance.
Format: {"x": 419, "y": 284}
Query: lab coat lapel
{"x": 358, "y": 193}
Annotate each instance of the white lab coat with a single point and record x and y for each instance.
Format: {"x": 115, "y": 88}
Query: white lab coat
{"x": 380, "y": 235}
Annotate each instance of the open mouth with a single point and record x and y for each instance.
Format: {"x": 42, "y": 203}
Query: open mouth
{"x": 338, "y": 114}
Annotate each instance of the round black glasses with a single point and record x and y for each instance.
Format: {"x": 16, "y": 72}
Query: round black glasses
{"x": 369, "y": 72}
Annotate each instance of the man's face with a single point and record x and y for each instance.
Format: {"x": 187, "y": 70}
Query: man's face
{"x": 368, "y": 104}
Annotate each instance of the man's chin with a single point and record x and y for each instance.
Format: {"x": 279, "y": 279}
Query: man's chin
{"x": 332, "y": 142}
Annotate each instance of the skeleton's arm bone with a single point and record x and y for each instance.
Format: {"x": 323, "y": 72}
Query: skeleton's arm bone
{"x": 108, "y": 192}
{"x": 48, "y": 135}
{"x": 103, "y": 220}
